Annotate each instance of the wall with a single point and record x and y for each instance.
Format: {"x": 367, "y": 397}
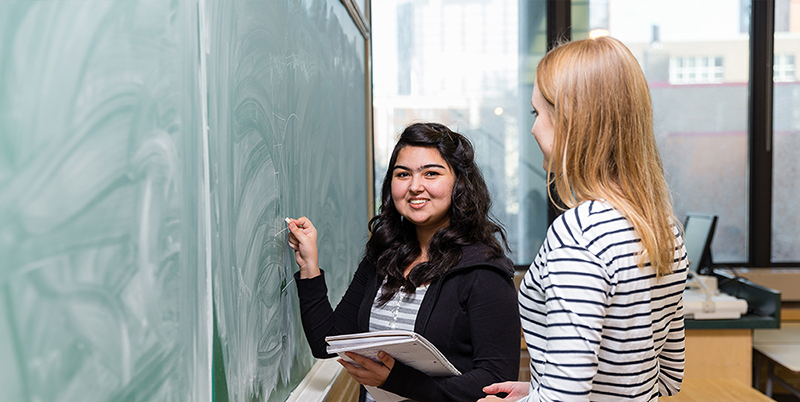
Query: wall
{"x": 149, "y": 152}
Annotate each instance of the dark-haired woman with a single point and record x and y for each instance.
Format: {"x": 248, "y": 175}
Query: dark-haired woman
{"x": 433, "y": 265}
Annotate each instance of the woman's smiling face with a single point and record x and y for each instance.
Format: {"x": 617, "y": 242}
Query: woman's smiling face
{"x": 422, "y": 187}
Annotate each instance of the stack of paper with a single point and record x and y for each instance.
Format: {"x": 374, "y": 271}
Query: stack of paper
{"x": 406, "y": 347}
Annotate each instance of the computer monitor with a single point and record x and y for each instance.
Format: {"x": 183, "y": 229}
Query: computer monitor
{"x": 698, "y": 232}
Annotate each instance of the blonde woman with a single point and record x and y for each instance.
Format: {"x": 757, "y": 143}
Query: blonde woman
{"x": 601, "y": 305}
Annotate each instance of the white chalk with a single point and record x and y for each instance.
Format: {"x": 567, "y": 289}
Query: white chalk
{"x": 288, "y": 220}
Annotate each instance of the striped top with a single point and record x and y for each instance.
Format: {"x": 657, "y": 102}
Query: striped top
{"x": 597, "y": 326}
{"x": 399, "y": 313}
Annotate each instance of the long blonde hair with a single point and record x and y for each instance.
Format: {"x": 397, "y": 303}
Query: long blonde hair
{"x": 604, "y": 145}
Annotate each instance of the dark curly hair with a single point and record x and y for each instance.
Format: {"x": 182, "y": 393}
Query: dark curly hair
{"x": 393, "y": 243}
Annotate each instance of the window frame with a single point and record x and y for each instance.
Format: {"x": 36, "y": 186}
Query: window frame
{"x": 762, "y": 40}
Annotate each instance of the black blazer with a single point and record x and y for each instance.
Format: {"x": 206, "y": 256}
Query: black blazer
{"x": 470, "y": 314}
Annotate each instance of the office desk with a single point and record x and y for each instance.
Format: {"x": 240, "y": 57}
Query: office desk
{"x": 724, "y": 348}
{"x": 716, "y": 390}
{"x": 781, "y": 346}
{"x": 719, "y": 353}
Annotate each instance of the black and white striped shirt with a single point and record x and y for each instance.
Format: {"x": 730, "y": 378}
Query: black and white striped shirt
{"x": 597, "y": 326}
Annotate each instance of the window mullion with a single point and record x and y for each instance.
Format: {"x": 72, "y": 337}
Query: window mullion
{"x": 558, "y": 24}
{"x": 762, "y": 34}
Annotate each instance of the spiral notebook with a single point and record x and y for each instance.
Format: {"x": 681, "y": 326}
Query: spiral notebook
{"x": 406, "y": 347}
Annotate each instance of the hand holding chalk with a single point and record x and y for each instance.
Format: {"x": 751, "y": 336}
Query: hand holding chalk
{"x": 303, "y": 240}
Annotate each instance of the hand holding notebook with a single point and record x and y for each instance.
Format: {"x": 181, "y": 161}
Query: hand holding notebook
{"x": 406, "y": 347}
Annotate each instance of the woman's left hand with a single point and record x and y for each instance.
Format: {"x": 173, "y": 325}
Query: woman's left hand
{"x": 514, "y": 390}
{"x": 370, "y": 373}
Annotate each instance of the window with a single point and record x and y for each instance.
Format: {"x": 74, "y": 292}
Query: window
{"x": 785, "y": 139}
{"x": 467, "y": 65}
{"x": 783, "y": 68}
{"x": 695, "y": 70}
{"x": 723, "y": 153}
{"x": 701, "y": 129}
{"x": 471, "y": 65}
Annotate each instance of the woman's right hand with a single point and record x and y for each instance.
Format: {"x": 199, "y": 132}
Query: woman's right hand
{"x": 303, "y": 240}
{"x": 514, "y": 390}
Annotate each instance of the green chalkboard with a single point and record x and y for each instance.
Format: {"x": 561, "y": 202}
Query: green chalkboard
{"x": 149, "y": 151}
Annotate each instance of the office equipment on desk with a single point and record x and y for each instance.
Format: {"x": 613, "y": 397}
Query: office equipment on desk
{"x": 763, "y": 304}
{"x": 779, "y": 346}
{"x": 702, "y": 299}
{"x": 149, "y": 151}
{"x": 698, "y": 232}
{"x": 787, "y": 279}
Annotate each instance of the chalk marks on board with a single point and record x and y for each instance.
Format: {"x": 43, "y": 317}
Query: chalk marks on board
{"x": 98, "y": 279}
{"x": 287, "y": 100}
{"x": 103, "y": 189}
